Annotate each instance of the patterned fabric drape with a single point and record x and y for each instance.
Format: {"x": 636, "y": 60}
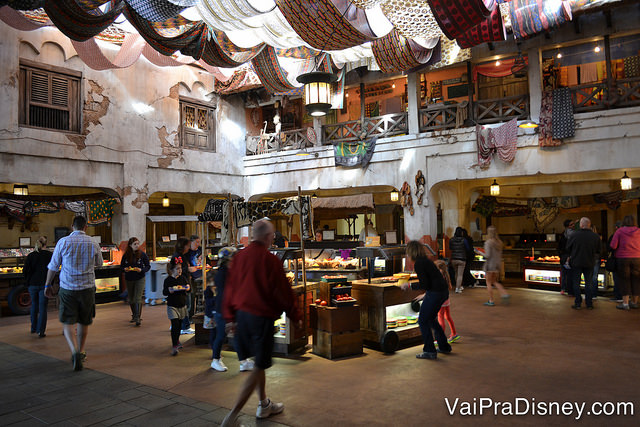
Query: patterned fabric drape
{"x": 321, "y": 23}
{"x": 155, "y": 10}
{"x": 455, "y": 17}
{"x": 271, "y": 74}
{"x": 76, "y": 22}
{"x": 501, "y": 140}
{"x": 214, "y": 210}
{"x": 23, "y": 4}
{"x": 530, "y": 17}
{"x": 354, "y": 154}
{"x": 100, "y": 211}
{"x": 545, "y": 128}
{"x": 18, "y": 21}
{"x": 394, "y": 53}
{"x": 491, "y": 70}
{"x": 491, "y": 29}
{"x": 563, "y": 122}
{"x": 246, "y": 213}
{"x": 542, "y": 214}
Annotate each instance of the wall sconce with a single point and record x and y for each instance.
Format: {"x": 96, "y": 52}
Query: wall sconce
{"x": 495, "y": 188}
{"x": 625, "y": 182}
{"x": 317, "y": 91}
{"x": 165, "y": 201}
{"x": 394, "y": 196}
{"x": 21, "y": 190}
{"x": 314, "y": 196}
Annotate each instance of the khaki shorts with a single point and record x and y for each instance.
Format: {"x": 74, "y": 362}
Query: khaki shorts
{"x": 77, "y": 306}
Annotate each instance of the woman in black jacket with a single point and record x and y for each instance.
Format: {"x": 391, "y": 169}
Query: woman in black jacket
{"x": 437, "y": 292}
{"x": 135, "y": 265}
{"x": 35, "y": 274}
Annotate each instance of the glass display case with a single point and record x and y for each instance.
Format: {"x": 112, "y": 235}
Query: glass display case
{"x": 544, "y": 273}
{"x": 382, "y": 261}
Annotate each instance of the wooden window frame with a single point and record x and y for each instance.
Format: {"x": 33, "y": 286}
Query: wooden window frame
{"x": 73, "y": 79}
{"x": 186, "y": 132}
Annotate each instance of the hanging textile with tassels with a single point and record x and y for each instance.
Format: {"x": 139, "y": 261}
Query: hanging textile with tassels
{"x": 78, "y": 23}
{"x": 323, "y": 23}
{"x": 395, "y": 53}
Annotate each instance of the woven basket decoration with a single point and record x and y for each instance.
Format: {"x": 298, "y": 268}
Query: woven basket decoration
{"x": 489, "y": 30}
{"x": 394, "y": 53}
{"x": 322, "y": 25}
{"x": 411, "y": 18}
{"x": 457, "y": 16}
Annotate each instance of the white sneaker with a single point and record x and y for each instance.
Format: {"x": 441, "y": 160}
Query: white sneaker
{"x": 271, "y": 409}
{"x": 218, "y": 365}
{"x": 189, "y": 331}
{"x": 246, "y": 365}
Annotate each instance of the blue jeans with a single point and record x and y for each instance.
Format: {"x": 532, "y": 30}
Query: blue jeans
{"x": 566, "y": 282}
{"x": 589, "y": 289}
{"x": 38, "y": 309}
{"x": 428, "y": 320}
{"x": 217, "y": 334}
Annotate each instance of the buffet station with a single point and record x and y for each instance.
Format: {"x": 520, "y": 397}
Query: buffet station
{"x": 543, "y": 272}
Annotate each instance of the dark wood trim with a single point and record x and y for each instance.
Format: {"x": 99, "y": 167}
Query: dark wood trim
{"x": 51, "y": 68}
{"x": 199, "y": 102}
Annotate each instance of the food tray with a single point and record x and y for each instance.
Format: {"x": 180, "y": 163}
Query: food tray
{"x": 348, "y": 303}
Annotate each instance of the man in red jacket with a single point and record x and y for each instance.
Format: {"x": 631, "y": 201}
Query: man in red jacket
{"x": 256, "y": 294}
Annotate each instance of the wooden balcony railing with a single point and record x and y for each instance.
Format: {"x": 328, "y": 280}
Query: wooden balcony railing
{"x": 381, "y": 126}
{"x": 600, "y": 96}
{"x": 438, "y": 117}
{"x": 295, "y": 139}
{"x": 501, "y": 109}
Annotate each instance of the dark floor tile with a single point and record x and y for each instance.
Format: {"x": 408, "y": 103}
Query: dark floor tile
{"x": 120, "y": 419}
{"x": 167, "y": 416}
{"x": 216, "y": 416}
{"x": 116, "y": 409}
{"x": 150, "y": 402}
{"x": 130, "y": 394}
{"x": 59, "y": 412}
{"x": 14, "y": 417}
{"x": 157, "y": 392}
{"x": 20, "y": 405}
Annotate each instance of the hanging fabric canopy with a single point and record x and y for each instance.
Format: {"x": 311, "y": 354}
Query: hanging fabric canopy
{"x": 530, "y": 17}
{"x": 455, "y": 17}
{"x": 78, "y": 23}
{"x": 491, "y": 29}
{"x": 324, "y": 24}
{"x": 492, "y": 70}
{"x": 157, "y": 10}
{"x": 394, "y": 53}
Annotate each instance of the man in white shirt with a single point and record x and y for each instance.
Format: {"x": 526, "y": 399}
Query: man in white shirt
{"x": 78, "y": 255}
{"x": 367, "y": 231}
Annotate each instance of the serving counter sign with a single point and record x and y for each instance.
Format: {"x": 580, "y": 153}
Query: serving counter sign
{"x": 372, "y": 241}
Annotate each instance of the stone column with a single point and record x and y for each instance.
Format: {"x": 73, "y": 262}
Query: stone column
{"x": 535, "y": 84}
{"x": 413, "y": 100}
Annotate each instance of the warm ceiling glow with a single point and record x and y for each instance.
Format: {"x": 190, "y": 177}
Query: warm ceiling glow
{"x": 625, "y": 182}
{"x": 495, "y": 188}
{"x": 559, "y": 55}
{"x": 497, "y": 63}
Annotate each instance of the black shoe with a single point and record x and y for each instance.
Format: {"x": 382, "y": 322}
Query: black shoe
{"x": 42, "y": 335}
{"x": 427, "y": 355}
{"x": 76, "y": 360}
{"x": 589, "y": 307}
{"x": 443, "y": 351}
{"x": 575, "y": 307}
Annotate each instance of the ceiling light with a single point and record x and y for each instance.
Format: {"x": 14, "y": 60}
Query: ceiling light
{"x": 393, "y": 86}
{"x": 314, "y": 196}
{"x": 495, "y": 188}
{"x": 597, "y": 49}
{"x": 317, "y": 91}
{"x": 559, "y": 55}
{"x": 625, "y": 182}
{"x": 528, "y": 124}
{"x": 165, "y": 201}
{"x": 21, "y": 190}
{"x": 497, "y": 63}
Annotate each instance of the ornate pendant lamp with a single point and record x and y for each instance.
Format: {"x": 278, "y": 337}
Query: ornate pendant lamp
{"x": 165, "y": 201}
{"x": 317, "y": 91}
{"x": 625, "y": 182}
{"x": 495, "y": 188}
{"x": 394, "y": 196}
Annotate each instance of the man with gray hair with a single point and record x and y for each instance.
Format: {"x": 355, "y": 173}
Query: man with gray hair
{"x": 256, "y": 293}
{"x": 584, "y": 248}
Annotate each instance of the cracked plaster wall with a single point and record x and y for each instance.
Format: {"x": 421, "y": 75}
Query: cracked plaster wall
{"x": 129, "y": 137}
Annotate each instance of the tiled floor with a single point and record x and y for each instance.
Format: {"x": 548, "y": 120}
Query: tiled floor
{"x": 537, "y": 349}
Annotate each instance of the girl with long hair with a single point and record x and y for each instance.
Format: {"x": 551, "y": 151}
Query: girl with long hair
{"x": 135, "y": 264}
{"x": 493, "y": 255}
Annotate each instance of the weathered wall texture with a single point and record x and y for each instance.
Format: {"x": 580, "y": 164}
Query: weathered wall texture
{"x": 130, "y": 125}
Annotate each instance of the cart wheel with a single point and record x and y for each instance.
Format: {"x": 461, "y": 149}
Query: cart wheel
{"x": 415, "y": 306}
{"x": 389, "y": 342}
{"x": 19, "y": 300}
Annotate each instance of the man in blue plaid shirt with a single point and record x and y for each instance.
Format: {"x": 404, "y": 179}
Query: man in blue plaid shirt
{"x": 78, "y": 255}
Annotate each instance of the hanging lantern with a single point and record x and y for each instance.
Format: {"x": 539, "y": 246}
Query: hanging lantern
{"x": 165, "y": 201}
{"x": 21, "y": 190}
{"x": 317, "y": 91}
{"x": 625, "y": 182}
{"x": 495, "y": 188}
{"x": 394, "y": 196}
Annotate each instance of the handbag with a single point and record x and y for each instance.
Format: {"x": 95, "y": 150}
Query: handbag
{"x": 610, "y": 264}
{"x": 208, "y": 322}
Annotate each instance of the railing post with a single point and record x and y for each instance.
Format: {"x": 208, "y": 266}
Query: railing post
{"x": 317, "y": 127}
{"x": 610, "y": 78}
{"x": 471, "y": 116}
{"x": 413, "y": 102}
